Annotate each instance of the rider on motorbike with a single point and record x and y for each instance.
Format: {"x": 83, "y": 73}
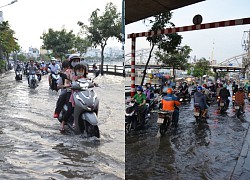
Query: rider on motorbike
{"x": 61, "y": 85}
{"x": 165, "y": 88}
{"x": 184, "y": 89}
{"x": 224, "y": 94}
{"x": 140, "y": 99}
{"x": 31, "y": 67}
{"x": 200, "y": 99}
{"x": 239, "y": 98}
{"x": 70, "y": 73}
{"x": 170, "y": 103}
{"x": 53, "y": 67}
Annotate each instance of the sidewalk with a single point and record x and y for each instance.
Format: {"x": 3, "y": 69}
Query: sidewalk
{"x": 242, "y": 168}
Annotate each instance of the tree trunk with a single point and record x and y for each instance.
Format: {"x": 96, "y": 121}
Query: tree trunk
{"x": 102, "y": 60}
{"x": 146, "y": 66}
{"x": 174, "y": 74}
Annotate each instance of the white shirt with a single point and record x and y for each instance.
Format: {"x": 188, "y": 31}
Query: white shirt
{"x": 54, "y": 68}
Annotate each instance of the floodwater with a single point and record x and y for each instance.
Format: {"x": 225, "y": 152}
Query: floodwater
{"x": 207, "y": 151}
{"x": 32, "y": 146}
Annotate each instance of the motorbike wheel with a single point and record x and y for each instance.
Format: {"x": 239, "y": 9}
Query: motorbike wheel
{"x": 128, "y": 127}
{"x": 197, "y": 119}
{"x": 92, "y": 130}
{"x": 163, "y": 129}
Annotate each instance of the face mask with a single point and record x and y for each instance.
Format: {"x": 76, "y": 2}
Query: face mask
{"x": 79, "y": 73}
{"x": 74, "y": 63}
{"x": 138, "y": 92}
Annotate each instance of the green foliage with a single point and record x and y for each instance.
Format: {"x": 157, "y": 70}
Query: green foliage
{"x": 81, "y": 45}
{"x": 102, "y": 28}
{"x": 8, "y": 42}
{"x": 21, "y": 57}
{"x": 201, "y": 68}
{"x": 167, "y": 42}
{"x": 2, "y": 64}
{"x": 176, "y": 59}
{"x": 60, "y": 42}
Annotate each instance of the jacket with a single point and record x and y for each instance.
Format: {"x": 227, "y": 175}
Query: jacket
{"x": 200, "y": 99}
{"x": 169, "y": 102}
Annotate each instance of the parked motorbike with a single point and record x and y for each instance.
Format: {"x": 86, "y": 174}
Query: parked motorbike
{"x": 54, "y": 78}
{"x": 32, "y": 80}
{"x": 84, "y": 118}
{"x": 19, "y": 75}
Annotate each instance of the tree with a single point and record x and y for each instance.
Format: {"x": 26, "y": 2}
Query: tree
{"x": 102, "y": 28}
{"x": 21, "y": 57}
{"x": 81, "y": 45}
{"x": 167, "y": 42}
{"x": 176, "y": 59}
{"x": 8, "y": 43}
{"x": 60, "y": 42}
{"x": 201, "y": 67}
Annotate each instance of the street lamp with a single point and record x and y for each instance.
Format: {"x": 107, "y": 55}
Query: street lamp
{"x": 12, "y": 2}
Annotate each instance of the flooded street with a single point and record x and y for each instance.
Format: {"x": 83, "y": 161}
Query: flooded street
{"x": 207, "y": 151}
{"x": 32, "y": 146}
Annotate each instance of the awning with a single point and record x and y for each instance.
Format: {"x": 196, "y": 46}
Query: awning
{"x": 136, "y": 10}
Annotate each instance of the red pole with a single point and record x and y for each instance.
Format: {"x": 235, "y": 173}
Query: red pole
{"x": 133, "y": 67}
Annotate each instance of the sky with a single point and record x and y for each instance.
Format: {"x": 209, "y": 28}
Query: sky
{"x": 30, "y": 18}
{"x": 224, "y": 42}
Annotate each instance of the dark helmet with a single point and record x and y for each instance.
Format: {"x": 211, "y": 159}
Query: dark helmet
{"x": 139, "y": 88}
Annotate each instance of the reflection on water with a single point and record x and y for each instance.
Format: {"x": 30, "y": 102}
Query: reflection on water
{"x": 207, "y": 151}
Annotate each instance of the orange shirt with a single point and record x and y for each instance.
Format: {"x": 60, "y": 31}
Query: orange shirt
{"x": 168, "y": 105}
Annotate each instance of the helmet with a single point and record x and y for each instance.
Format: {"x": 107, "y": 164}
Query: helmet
{"x": 169, "y": 91}
{"x": 199, "y": 88}
{"x": 53, "y": 59}
{"x": 139, "y": 88}
{"x": 224, "y": 86}
{"x": 168, "y": 82}
{"x": 240, "y": 89}
{"x": 204, "y": 85}
{"x": 73, "y": 56}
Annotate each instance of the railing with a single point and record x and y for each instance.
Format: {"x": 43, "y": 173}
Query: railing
{"x": 117, "y": 70}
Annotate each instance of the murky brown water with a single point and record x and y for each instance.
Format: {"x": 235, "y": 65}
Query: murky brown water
{"x": 32, "y": 146}
{"x": 190, "y": 152}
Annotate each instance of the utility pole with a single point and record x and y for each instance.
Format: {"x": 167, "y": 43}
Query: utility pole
{"x": 246, "y": 46}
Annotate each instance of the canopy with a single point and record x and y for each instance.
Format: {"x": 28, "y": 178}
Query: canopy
{"x": 136, "y": 10}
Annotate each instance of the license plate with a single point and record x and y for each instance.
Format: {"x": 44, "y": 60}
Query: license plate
{"x": 196, "y": 113}
{"x": 237, "y": 107}
{"x": 160, "y": 120}
{"x": 221, "y": 104}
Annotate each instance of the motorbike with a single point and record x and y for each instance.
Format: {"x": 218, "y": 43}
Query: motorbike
{"x": 165, "y": 118}
{"x": 39, "y": 75}
{"x": 54, "y": 78}
{"x": 223, "y": 105}
{"x": 183, "y": 98}
{"x": 19, "y": 75}
{"x": 194, "y": 90}
{"x": 43, "y": 71}
{"x": 238, "y": 110}
{"x": 212, "y": 97}
{"x": 84, "y": 118}
{"x": 32, "y": 80}
{"x": 132, "y": 120}
{"x": 233, "y": 99}
{"x": 198, "y": 114}
{"x": 248, "y": 97}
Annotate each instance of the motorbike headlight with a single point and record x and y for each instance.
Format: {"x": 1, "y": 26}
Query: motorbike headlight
{"x": 181, "y": 99}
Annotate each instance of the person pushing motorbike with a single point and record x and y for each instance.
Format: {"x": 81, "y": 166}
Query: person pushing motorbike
{"x": 224, "y": 94}
{"x": 200, "y": 99}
